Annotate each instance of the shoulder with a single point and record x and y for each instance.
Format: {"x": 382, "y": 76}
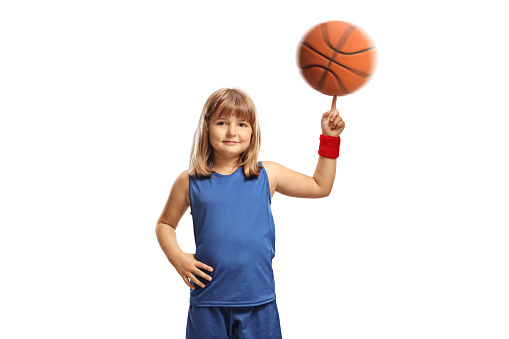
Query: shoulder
{"x": 272, "y": 168}
{"x": 270, "y": 165}
{"x": 177, "y": 203}
{"x": 181, "y": 184}
{"x": 183, "y": 178}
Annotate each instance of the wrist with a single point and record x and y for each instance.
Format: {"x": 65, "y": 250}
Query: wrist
{"x": 329, "y": 146}
{"x": 175, "y": 254}
{"x": 176, "y": 258}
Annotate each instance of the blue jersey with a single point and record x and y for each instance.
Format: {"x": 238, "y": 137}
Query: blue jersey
{"x": 234, "y": 234}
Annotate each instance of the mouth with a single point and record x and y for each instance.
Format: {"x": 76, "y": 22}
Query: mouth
{"x": 230, "y": 142}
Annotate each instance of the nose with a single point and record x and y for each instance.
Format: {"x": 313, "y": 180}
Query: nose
{"x": 231, "y": 131}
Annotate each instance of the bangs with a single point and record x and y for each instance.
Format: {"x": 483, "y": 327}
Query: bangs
{"x": 239, "y": 114}
{"x": 233, "y": 103}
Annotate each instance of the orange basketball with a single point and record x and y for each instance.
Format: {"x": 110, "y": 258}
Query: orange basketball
{"x": 336, "y": 58}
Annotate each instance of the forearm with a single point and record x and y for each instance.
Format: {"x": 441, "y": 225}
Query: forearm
{"x": 332, "y": 126}
{"x": 167, "y": 238}
{"x": 325, "y": 173}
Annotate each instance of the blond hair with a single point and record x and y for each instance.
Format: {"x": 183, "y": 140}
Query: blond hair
{"x": 225, "y": 101}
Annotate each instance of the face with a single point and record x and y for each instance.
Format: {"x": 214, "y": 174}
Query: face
{"x": 229, "y": 136}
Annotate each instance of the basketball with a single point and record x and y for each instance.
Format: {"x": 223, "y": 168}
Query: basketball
{"x": 336, "y": 58}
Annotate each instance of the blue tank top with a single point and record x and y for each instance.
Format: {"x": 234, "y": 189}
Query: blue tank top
{"x": 234, "y": 234}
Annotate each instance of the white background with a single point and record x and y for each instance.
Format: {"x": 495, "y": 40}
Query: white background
{"x": 99, "y": 101}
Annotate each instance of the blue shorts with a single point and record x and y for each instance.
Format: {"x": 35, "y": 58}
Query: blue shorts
{"x": 253, "y": 322}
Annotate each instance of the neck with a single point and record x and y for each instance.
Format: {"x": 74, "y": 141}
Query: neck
{"x": 224, "y": 164}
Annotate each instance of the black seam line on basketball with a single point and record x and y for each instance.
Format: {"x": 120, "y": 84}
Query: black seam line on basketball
{"x": 325, "y": 35}
{"x": 342, "y": 40}
{"x": 344, "y": 37}
{"x": 340, "y": 83}
{"x": 352, "y": 53}
{"x": 354, "y": 71}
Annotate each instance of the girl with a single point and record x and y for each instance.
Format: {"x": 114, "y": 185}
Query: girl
{"x": 230, "y": 193}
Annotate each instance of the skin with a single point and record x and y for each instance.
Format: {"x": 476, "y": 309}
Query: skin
{"x": 281, "y": 179}
{"x": 228, "y": 129}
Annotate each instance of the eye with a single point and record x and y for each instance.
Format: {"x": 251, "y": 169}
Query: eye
{"x": 220, "y": 123}
{"x": 243, "y": 124}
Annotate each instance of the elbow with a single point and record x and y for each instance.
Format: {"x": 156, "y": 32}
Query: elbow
{"x": 160, "y": 226}
{"x": 326, "y": 193}
{"x": 321, "y": 191}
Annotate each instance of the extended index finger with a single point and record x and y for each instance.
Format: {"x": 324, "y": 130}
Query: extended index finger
{"x": 333, "y": 107}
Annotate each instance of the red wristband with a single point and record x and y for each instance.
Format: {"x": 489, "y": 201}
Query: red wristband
{"x": 329, "y": 146}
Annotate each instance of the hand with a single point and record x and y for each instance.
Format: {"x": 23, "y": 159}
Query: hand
{"x": 187, "y": 265}
{"x": 332, "y": 124}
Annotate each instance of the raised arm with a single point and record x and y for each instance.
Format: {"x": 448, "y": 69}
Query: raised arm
{"x": 299, "y": 185}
